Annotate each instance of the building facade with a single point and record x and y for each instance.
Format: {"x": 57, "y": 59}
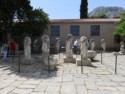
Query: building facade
{"x": 96, "y": 29}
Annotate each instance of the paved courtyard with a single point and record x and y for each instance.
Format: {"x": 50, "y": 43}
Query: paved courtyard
{"x": 67, "y": 79}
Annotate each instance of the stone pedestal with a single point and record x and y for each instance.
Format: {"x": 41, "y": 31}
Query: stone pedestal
{"x": 118, "y": 53}
{"x": 84, "y": 62}
{"x": 69, "y": 60}
{"x": 27, "y": 61}
{"x": 51, "y": 65}
{"x": 121, "y": 53}
{"x": 40, "y": 58}
{"x": 92, "y": 54}
{"x": 43, "y": 57}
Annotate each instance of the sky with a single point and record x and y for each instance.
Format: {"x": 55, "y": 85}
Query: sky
{"x": 69, "y": 9}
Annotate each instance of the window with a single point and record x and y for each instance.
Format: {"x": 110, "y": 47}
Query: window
{"x": 55, "y": 30}
{"x": 74, "y": 30}
{"x": 95, "y": 30}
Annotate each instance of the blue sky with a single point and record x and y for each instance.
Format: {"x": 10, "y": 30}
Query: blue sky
{"x": 69, "y": 9}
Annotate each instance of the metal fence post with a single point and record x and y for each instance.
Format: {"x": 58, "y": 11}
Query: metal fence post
{"x": 76, "y": 52}
{"x": 116, "y": 64}
{"x": 59, "y": 53}
{"x": 49, "y": 64}
{"x": 81, "y": 65}
{"x": 101, "y": 57}
{"x": 19, "y": 62}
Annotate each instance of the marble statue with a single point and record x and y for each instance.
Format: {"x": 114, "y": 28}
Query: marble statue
{"x": 92, "y": 53}
{"x": 92, "y": 44}
{"x": 45, "y": 53}
{"x": 27, "y": 47}
{"x": 45, "y": 45}
{"x": 69, "y": 39}
{"x": 83, "y": 47}
{"x": 84, "y": 60}
{"x": 103, "y": 44}
{"x": 58, "y": 44}
{"x": 122, "y": 48}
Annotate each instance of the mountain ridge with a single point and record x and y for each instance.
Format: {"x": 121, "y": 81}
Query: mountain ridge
{"x": 110, "y": 12}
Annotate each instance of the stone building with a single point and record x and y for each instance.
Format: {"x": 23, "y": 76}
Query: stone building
{"x": 91, "y": 28}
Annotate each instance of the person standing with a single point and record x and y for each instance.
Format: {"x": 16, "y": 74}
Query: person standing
{"x": 76, "y": 46}
{"x": 5, "y": 50}
{"x": 12, "y": 47}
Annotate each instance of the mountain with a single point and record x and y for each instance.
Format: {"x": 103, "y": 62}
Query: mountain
{"x": 108, "y": 11}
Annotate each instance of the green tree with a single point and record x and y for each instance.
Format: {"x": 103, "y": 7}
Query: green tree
{"x": 120, "y": 26}
{"x": 116, "y": 17}
{"x": 84, "y": 9}
{"x": 100, "y": 15}
{"x": 29, "y": 21}
{"x": 13, "y": 8}
{"x": 35, "y": 25}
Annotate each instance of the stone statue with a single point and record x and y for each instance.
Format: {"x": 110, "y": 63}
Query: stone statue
{"x": 84, "y": 61}
{"x": 69, "y": 45}
{"x": 92, "y": 44}
{"x": 103, "y": 44}
{"x": 122, "y": 48}
{"x": 58, "y": 44}
{"x": 84, "y": 47}
{"x": 27, "y": 47}
{"x": 45, "y": 45}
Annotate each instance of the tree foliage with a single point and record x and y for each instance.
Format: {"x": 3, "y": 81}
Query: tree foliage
{"x": 84, "y": 9}
{"x": 38, "y": 21}
{"x": 28, "y": 20}
{"x": 11, "y": 8}
{"x": 116, "y": 17}
{"x": 100, "y": 15}
{"x": 120, "y": 26}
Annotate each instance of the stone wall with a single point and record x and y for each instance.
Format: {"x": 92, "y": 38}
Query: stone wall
{"x": 106, "y": 32}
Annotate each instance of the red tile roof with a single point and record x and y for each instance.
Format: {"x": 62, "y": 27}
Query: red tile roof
{"x": 84, "y": 20}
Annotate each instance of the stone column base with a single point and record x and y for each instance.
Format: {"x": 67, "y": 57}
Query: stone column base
{"x": 84, "y": 62}
{"x": 92, "y": 54}
{"x": 69, "y": 60}
{"x": 51, "y": 65}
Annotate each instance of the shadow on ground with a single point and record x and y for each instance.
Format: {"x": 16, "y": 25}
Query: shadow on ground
{"x": 34, "y": 70}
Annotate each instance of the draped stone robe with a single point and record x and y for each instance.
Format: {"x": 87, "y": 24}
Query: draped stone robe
{"x": 27, "y": 47}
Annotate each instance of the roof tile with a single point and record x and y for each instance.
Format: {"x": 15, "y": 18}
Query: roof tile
{"x": 84, "y": 20}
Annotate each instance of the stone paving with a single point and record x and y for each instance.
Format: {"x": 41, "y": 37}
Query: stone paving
{"x": 66, "y": 79}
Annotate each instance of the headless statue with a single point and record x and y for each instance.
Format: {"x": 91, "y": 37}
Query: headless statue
{"x": 27, "y": 47}
{"x": 84, "y": 47}
{"x": 45, "y": 45}
{"x": 69, "y": 39}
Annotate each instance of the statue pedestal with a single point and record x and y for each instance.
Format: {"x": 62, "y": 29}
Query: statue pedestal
{"x": 40, "y": 58}
{"x": 69, "y": 60}
{"x": 118, "y": 53}
{"x": 92, "y": 54}
{"x": 51, "y": 64}
{"x": 84, "y": 62}
{"x": 26, "y": 61}
{"x": 121, "y": 52}
{"x": 43, "y": 56}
